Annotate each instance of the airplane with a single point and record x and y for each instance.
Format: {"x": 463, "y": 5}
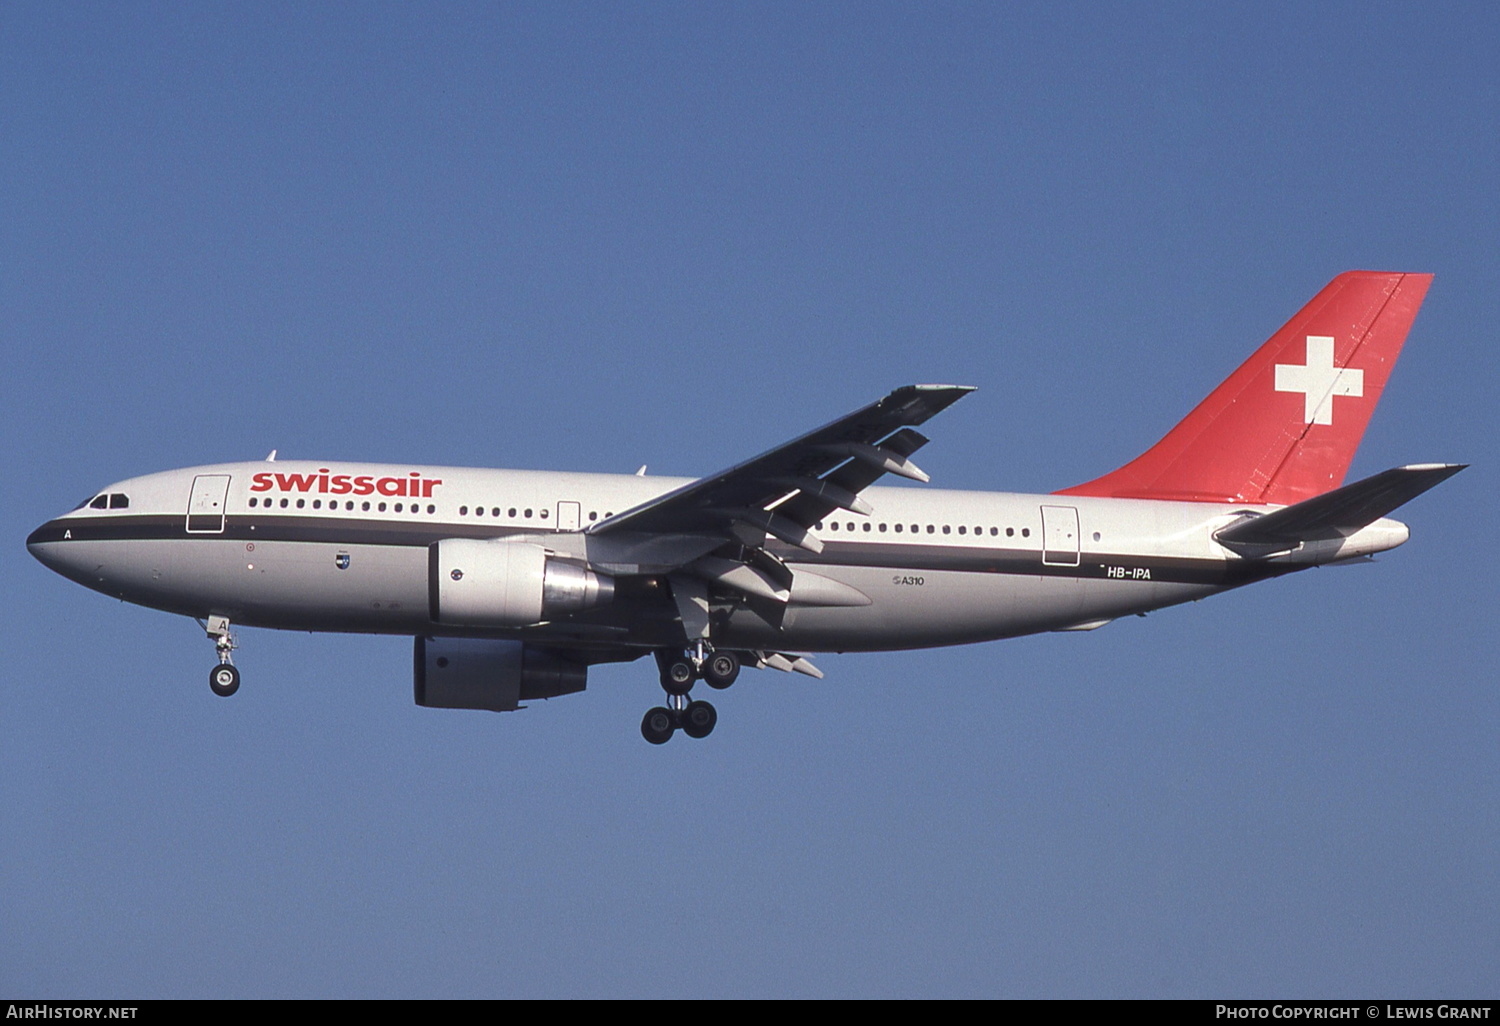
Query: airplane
{"x": 513, "y": 583}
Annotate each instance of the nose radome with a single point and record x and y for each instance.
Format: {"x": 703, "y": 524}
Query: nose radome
{"x": 37, "y": 542}
{"x": 52, "y": 547}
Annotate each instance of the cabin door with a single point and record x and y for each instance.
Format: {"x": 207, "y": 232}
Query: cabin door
{"x": 206, "y": 505}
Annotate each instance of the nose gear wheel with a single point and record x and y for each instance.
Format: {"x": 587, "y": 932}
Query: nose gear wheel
{"x": 224, "y": 679}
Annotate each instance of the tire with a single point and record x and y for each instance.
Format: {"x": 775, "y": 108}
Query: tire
{"x": 224, "y": 680}
{"x": 721, "y": 670}
{"x": 678, "y": 677}
{"x": 658, "y": 725}
{"x": 699, "y": 719}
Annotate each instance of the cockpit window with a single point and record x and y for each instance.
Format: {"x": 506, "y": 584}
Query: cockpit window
{"x": 106, "y": 500}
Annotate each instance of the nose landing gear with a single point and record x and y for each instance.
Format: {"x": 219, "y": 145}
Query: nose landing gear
{"x": 224, "y": 679}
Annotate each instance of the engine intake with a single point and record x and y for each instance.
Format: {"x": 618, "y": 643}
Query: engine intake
{"x": 479, "y": 583}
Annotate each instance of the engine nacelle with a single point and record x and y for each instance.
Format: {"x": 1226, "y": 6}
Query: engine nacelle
{"x": 481, "y": 583}
{"x": 476, "y": 673}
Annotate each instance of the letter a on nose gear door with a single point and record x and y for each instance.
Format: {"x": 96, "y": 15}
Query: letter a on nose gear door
{"x": 206, "y": 505}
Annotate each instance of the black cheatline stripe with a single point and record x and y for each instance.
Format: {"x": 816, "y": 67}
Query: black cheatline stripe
{"x": 1093, "y": 566}
{"x": 418, "y": 531}
{"x": 421, "y": 533}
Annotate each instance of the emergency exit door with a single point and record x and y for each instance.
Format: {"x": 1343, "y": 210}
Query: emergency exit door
{"x": 1059, "y": 536}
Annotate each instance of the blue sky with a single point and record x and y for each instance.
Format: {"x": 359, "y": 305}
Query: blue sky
{"x": 594, "y": 236}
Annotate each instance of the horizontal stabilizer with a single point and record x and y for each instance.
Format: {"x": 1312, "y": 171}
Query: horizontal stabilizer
{"x": 1341, "y": 511}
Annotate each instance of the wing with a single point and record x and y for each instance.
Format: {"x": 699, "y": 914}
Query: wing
{"x": 785, "y": 491}
{"x": 709, "y": 537}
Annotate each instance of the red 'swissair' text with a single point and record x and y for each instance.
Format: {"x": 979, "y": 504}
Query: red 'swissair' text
{"x": 324, "y": 482}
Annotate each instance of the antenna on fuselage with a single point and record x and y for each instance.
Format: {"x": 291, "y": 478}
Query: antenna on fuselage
{"x": 271, "y": 456}
{"x": 642, "y": 471}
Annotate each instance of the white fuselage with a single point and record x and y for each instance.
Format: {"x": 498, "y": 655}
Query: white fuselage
{"x": 345, "y": 547}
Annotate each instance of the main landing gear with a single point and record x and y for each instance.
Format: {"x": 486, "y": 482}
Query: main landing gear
{"x": 679, "y": 671}
{"x": 224, "y": 679}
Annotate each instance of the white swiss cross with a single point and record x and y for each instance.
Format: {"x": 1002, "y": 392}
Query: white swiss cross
{"x": 1319, "y": 381}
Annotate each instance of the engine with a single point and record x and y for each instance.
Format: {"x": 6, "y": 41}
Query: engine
{"x": 478, "y": 583}
{"x": 474, "y": 673}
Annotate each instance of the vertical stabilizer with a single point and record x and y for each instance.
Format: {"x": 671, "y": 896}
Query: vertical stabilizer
{"x": 1285, "y": 425}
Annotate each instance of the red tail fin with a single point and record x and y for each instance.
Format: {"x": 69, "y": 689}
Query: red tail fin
{"x": 1284, "y": 426}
